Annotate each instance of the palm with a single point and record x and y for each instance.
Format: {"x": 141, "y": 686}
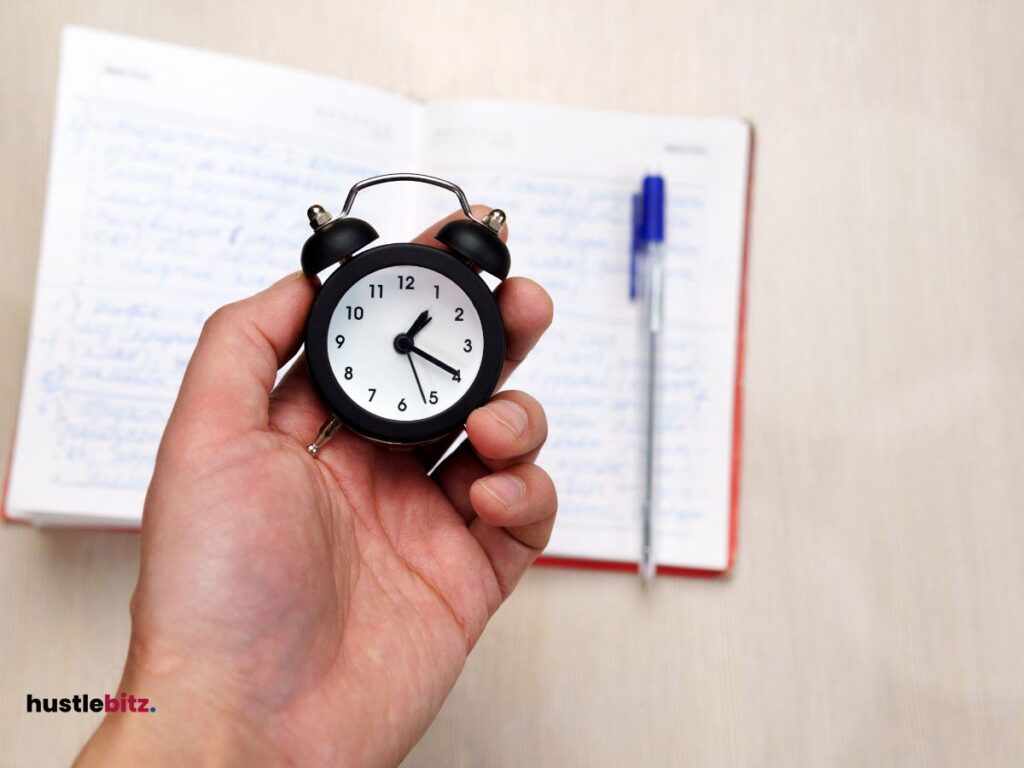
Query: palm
{"x": 357, "y": 565}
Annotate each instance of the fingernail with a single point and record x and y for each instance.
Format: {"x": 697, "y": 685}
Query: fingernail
{"x": 287, "y": 278}
{"x": 512, "y": 415}
{"x": 508, "y": 489}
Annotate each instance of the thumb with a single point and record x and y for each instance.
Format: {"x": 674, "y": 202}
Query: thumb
{"x": 226, "y": 387}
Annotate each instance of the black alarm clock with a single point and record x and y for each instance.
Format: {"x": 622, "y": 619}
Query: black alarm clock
{"x": 403, "y": 340}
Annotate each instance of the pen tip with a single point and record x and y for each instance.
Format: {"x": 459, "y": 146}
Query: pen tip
{"x": 646, "y": 576}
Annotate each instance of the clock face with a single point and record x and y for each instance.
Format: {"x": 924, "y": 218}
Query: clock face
{"x": 405, "y": 342}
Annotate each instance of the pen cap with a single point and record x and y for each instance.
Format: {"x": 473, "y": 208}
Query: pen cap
{"x": 653, "y": 229}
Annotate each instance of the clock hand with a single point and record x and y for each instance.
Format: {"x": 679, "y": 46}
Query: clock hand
{"x": 431, "y": 359}
{"x": 417, "y": 377}
{"x": 420, "y": 321}
{"x": 403, "y": 341}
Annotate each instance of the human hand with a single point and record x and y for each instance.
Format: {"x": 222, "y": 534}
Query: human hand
{"x": 317, "y": 612}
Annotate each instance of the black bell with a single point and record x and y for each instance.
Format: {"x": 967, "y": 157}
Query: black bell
{"x": 335, "y": 241}
{"x": 478, "y": 244}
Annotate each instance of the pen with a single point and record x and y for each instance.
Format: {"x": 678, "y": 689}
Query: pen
{"x": 652, "y": 239}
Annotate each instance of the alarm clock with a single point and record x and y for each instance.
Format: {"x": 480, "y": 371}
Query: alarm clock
{"x": 403, "y": 340}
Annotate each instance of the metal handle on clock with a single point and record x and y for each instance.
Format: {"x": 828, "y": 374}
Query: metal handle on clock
{"x": 423, "y": 178}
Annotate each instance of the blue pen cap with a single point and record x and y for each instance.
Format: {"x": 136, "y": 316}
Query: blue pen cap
{"x": 653, "y": 229}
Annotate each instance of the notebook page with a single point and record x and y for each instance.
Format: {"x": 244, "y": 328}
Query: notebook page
{"x": 565, "y": 176}
{"x": 179, "y": 181}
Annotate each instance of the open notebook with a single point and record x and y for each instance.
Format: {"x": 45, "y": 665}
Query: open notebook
{"x": 179, "y": 181}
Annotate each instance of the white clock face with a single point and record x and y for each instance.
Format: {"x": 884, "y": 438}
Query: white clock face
{"x": 391, "y": 373}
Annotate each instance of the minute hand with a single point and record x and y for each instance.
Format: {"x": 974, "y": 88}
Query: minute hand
{"x": 431, "y": 359}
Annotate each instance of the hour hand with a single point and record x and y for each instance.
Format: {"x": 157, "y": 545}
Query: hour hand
{"x": 431, "y": 359}
{"x": 418, "y": 324}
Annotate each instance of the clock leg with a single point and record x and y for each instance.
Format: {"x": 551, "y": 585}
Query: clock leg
{"x": 326, "y": 433}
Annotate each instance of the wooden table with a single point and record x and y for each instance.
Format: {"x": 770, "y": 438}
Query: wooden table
{"x": 876, "y": 613}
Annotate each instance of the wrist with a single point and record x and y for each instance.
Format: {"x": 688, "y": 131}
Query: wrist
{"x": 169, "y": 720}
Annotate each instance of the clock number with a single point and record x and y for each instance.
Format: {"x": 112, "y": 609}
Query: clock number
{"x": 437, "y": 291}
{"x": 372, "y": 393}
{"x": 406, "y": 282}
{"x": 457, "y": 376}
{"x": 354, "y": 313}
{"x": 339, "y": 340}
{"x": 348, "y": 372}
{"x": 376, "y": 291}
{"x": 401, "y": 404}
{"x": 433, "y": 397}
{"x": 468, "y": 346}
{"x": 458, "y": 314}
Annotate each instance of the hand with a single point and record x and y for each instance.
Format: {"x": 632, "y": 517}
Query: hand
{"x": 431, "y": 359}
{"x": 317, "y": 611}
{"x": 422, "y": 319}
{"x": 417, "y": 377}
{"x": 418, "y": 324}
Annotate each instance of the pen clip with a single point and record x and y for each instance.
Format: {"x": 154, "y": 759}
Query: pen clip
{"x": 636, "y": 246}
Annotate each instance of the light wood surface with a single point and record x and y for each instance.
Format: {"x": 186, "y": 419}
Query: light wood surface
{"x": 876, "y": 613}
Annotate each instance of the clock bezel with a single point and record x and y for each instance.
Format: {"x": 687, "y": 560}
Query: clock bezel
{"x": 353, "y": 415}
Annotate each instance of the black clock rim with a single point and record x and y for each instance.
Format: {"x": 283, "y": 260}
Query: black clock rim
{"x": 392, "y": 430}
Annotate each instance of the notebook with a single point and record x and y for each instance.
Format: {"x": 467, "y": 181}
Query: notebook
{"x": 179, "y": 181}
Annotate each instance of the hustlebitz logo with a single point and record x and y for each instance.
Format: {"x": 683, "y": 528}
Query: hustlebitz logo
{"x": 126, "y": 703}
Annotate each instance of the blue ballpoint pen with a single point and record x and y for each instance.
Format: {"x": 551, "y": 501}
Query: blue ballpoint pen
{"x": 652, "y": 238}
